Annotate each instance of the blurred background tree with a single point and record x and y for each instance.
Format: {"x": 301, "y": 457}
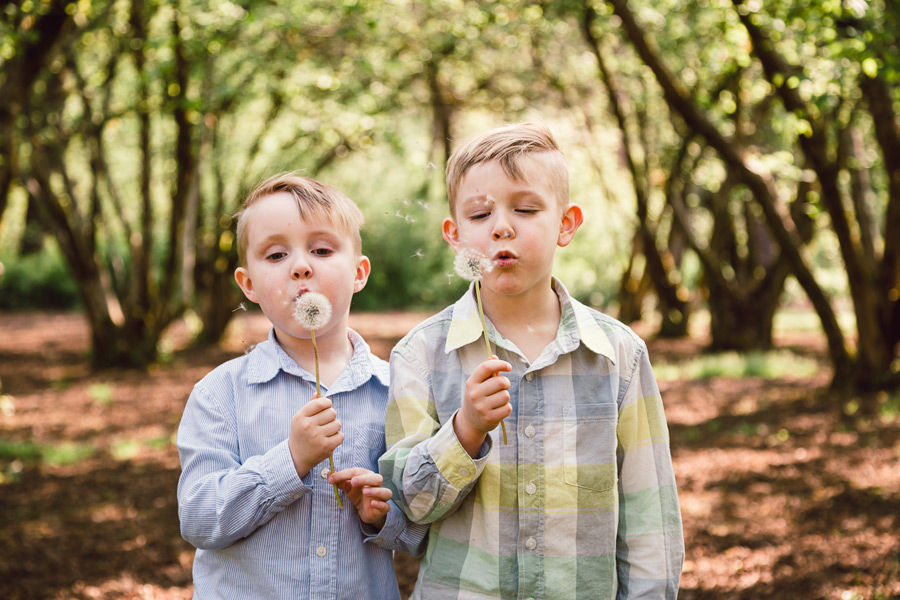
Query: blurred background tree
{"x": 726, "y": 153}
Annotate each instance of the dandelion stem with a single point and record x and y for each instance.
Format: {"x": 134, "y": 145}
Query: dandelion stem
{"x": 487, "y": 342}
{"x": 312, "y": 333}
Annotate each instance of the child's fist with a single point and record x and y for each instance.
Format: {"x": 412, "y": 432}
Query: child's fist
{"x": 486, "y": 399}
{"x": 363, "y": 487}
{"x": 315, "y": 433}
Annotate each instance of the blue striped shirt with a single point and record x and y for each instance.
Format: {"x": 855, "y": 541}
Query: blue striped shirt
{"x": 260, "y": 530}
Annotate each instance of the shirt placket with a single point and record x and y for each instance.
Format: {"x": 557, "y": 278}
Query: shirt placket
{"x": 323, "y": 539}
{"x": 530, "y": 486}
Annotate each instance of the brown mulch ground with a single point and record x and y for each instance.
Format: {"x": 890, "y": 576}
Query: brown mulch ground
{"x": 783, "y": 494}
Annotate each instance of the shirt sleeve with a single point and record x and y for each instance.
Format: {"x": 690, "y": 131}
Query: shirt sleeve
{"x": 398, "y": 533}
{"x": 425, "y": 466}
{"x": 220, "y": 499}
{"x": 650, "y": 543}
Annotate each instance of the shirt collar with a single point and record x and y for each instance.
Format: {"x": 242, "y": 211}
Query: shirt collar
{"x": 268, "y": 358}
{"x": 576, "y": 324}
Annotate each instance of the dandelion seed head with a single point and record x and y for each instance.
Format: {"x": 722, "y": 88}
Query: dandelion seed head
{"x": 471, "y": 265}
{"x": 312, "y": 310}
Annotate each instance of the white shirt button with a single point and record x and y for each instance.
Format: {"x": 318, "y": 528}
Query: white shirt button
{"x": 531, "y": 543}
{"x": 320, "y": 551}
{"x": 530, "y": 488}
{"x": 529, "y": 376}
{"x": 324, "y": 472}
{"x": 530, "y": 431}
{"x": 463, "y": 472}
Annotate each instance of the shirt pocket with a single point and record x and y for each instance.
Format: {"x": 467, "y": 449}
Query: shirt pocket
{"x": 367, "y": 445}
{"x": 589, "y": 446}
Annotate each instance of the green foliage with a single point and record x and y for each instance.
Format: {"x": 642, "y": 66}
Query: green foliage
{"x": 37, "y": 281}
{"x": 769, "y": 365}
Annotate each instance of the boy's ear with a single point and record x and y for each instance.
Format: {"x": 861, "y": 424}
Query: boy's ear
{"x": 363, "y": 268}
{"x": 572, "y": 218}
{"x": 242, "y": 277}
{"x": 451, "y": 233}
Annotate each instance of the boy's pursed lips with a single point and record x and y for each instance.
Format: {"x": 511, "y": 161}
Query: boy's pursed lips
{"x": 504, "y": 258}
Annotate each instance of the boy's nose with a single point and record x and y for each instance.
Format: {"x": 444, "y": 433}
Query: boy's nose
{"x": 503, "y": 231}
{"x": 301, "y": 270}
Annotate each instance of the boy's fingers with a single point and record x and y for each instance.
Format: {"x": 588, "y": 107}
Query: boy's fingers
{"x": 378, "y": 493}
{"x": 367, "y": 479}
{"x": 489, "y": 367}
{"x": 347, "y": 474}
{"x": 315, "y": 406}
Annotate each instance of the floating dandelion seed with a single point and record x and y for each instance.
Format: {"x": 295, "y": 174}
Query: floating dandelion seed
{"x": 242, "y": 306}
{"x": 449, "y": 278}
{"x": 430, "y": 165}
{"x": 417, "y": 254}
{"x": 425, "y": 205}
{"x": 471, "y": 265}
{"x": 313, "y": 311}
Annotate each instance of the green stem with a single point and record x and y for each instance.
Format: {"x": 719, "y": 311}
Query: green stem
{"x": 336, "y": 495}
{"x": 487, "y": 342}
{"x": 319, "y": 394}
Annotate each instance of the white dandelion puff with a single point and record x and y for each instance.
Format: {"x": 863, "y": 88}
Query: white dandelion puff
{"x": 312, "y": 310}
{"x": 471, "y": 265}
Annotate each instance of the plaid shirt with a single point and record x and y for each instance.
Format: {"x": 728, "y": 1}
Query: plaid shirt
{"x": 581, "y": 502}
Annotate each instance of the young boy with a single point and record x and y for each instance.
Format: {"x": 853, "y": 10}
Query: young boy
{"x": 580, "y": 503}
{"x": 255, "y": 495}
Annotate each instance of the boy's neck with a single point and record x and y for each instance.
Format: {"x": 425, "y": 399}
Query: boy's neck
{"x": 335, "y": 351}
{"x": 529, "y": 320}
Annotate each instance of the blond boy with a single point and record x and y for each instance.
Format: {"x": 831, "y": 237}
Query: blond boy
{"x": 580, "y": 503}
{"x": 255, "y": 495}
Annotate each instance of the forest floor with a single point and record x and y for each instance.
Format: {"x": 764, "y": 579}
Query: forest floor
{"x": 787, "y": 489}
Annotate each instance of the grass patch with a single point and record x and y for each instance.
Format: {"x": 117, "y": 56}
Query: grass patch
{"x": 101, "y": 393}
{"x": 125, "y": 449}
{"x": 734, "y": 365}
{"x": 64, "y": 453}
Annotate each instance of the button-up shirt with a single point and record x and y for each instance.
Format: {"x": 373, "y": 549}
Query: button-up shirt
{"x": 260, "y": 529}
{"x": 581, "y": 502}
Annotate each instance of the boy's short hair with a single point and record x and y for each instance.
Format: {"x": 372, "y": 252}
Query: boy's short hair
{"x": 316, "y": 201}
{"x": 507, "y": 144}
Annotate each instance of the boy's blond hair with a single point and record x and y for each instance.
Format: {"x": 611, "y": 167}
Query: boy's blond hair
{"x": 316, "y": 201}
{"x": 507, "y": 144}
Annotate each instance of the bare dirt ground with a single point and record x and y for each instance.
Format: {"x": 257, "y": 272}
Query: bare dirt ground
{"x": 783, "y": 494}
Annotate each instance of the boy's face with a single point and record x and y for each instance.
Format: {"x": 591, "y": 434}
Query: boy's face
{"x": 287, "y": 256}
{"x": 516, "y": 224}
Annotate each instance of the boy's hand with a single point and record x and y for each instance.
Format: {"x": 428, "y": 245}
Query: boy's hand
{"x": 363, "y": 487}
{"x": 315, "y": 433}
{"x": 485, "y": 404}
